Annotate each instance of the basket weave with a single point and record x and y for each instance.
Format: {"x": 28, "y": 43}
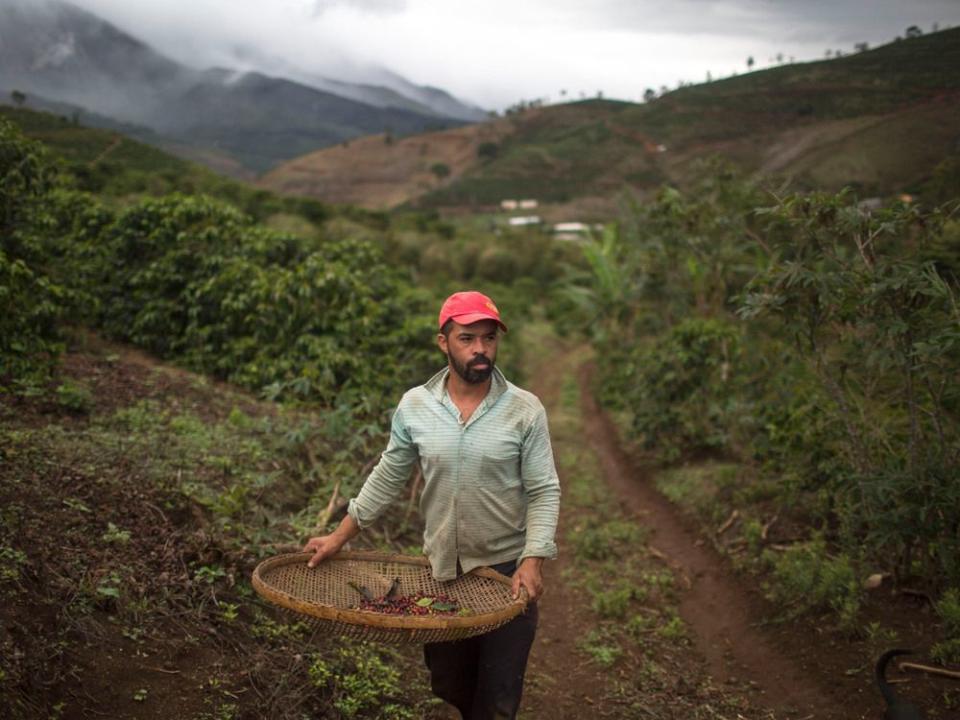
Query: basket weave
{"x": 323, "y": 595}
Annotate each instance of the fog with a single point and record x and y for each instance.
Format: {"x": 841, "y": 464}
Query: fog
{"x": 497, "y": 52}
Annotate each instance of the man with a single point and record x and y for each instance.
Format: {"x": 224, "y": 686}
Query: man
{"x": 490, "y": 497}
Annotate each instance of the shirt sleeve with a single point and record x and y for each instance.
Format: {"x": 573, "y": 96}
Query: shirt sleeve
{"x": 388, "y": 478}
{"x": 542, "y": 486}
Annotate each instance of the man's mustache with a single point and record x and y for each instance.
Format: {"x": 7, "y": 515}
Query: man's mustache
{"x": 479, "y": 360}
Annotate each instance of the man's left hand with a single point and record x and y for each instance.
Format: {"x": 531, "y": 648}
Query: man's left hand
{"x": 528, "y": 576}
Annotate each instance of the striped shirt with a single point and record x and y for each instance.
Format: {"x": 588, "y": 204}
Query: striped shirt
{"x": 491, "y": 491}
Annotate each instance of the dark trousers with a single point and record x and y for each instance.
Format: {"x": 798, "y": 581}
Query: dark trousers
{"x": 482, "y": 676}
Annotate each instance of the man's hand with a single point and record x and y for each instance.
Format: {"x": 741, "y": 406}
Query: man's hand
{"x": 528, "y": 575}
{"x": 323, "y": 546}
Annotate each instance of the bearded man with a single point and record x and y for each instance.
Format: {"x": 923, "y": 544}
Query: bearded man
{"x": 491, "y": 498}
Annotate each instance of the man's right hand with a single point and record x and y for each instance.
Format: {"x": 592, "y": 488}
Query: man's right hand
{"x": 324, "y": 546}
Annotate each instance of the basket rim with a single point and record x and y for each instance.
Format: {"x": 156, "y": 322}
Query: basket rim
{"x": 323, "y": 611}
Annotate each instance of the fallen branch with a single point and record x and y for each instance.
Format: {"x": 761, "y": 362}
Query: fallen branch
{"x": 324, "y": 517}
{"x": 729, "y": 522}
{"x": 917, "y": 594}
{"x": 161, "y": 670}
{"x": 766, "y": 527}
{"x": 932, "y": 670}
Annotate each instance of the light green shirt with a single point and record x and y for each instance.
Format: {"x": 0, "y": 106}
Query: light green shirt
{"x": 491, "y": 491}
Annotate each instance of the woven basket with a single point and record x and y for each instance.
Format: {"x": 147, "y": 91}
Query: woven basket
{"x": 323, "y": 595}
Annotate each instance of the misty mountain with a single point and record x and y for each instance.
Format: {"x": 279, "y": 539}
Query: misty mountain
{"x": 65, "y": 54}
{"x": 385, "y": 89}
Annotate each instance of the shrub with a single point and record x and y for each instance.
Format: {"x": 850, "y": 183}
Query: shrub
{"x": 807, "y": 579}
{"x": 684, "y": 389}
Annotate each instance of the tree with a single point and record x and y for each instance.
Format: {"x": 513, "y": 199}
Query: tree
{"x": 649, "y": 95}
{"x": 488, "y": 150}
{"x": 750, "y": 63}
{"x": 861, "y": 46}
{"x": 18, "y": 97}
{"x": 914, "y": 31}
{"x": 440, "y": 170}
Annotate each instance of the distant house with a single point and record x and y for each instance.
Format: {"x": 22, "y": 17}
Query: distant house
{"x": 570, "y": 230}
{"x": 528, "y": 204}
{"x": 522, "y": 220}
{"x": 508, "y": 204}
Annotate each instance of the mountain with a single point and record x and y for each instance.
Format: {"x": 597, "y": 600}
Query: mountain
{"x": 879, "y": 121}
{"x": 64, "y": 54}
{"x": 382, "y": 89}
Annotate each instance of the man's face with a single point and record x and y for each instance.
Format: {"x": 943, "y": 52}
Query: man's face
{"x": 471, "y": 349}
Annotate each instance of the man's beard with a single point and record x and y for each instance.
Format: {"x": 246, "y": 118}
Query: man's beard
{"x": 471, "y": 374}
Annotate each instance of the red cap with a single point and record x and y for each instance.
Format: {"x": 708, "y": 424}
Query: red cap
{"x": 469, "y": 307}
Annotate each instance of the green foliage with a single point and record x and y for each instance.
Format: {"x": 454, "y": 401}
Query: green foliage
{"x": 599, "y": 540}
{"x": 193, "y": 279}
{"x": 807, "y": 578}
{"x": 362, "y": 683}
{"x": 487, "y": 150}
{"x": 74, "y": 397}
{"x": 30, "y": 303}
{"x": 683, "y": 388}
{"x": 601, "y": 648}
{"x": 812, "y": 339}
{"x": 878, "y": 328}
{"x": 947, "y": 651}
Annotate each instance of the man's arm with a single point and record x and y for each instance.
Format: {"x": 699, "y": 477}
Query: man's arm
{"x": 380, "y": 489}
{"x": 542, "y": 487}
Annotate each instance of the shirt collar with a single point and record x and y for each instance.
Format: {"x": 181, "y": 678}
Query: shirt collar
{"x": 437, "y": 385}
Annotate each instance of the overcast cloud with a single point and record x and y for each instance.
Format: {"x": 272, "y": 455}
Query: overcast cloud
{"x": 496, "y": 52}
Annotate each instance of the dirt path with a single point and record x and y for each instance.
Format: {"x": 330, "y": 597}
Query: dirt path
{"x": 721, "y": 612}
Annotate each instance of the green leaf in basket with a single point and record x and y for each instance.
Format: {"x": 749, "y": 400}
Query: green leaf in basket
{"x": 425, "y": 602}
{"x": 444, "y": 607}
{"x": 464, "y": 612}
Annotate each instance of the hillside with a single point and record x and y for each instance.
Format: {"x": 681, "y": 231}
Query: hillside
{"x": 879, "y": 121}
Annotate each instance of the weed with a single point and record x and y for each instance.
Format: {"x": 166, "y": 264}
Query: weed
{"x": 74, "y": 397}
{"x": 879, "y": 639}
{"x": 364, "y": 681}
{"x": 606, "y": 540}
{"x": 140, "y": 694}
{"x": 948, "y": 608}
{"x": 806, "y": 578}
{"x": 674, "y": 629}
{"x": 209, "y": 574}
{"x": 11, "y": 561}
{"x": 600, "y": 647}
{"x": 615, "y": 602}
{"x": 116, "y": 535}
{"x": 109, "y": 587}
{"x": 639, "y": 625}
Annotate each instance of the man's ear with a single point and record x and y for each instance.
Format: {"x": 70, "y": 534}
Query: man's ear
{"x": 442, "y": 342}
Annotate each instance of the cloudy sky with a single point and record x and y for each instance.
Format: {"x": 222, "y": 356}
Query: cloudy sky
{"x": 496, "y": 52}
